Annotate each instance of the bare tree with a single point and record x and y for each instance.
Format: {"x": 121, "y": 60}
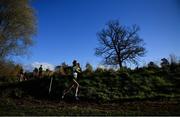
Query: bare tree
{"x": 119, "y": 44}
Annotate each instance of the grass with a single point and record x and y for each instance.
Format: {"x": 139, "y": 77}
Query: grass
{"x": 29, "y": 98}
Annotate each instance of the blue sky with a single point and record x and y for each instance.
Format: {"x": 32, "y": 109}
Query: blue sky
{"x": 67, "y": 28}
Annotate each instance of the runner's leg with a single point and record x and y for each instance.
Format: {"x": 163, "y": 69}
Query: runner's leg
{"x": 77, "y": 87}
{"x": 68, "y": 89}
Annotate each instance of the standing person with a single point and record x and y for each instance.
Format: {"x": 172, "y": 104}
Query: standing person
{"x": 40, "y": 71}
{"x": 76, "y": 71}
{"x": 35, "y": 73}
{"x": 21, "y": 75}
{"x": 47, "y": 73}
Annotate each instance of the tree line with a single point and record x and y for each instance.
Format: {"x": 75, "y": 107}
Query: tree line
{"x": 101, "y": 84}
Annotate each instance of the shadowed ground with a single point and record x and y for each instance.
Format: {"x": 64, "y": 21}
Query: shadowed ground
{"x": 30, "y": 106}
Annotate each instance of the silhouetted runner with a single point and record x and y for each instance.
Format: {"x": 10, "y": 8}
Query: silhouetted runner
{"x": 76, "y": 70}
{"x": 40, "y": 71}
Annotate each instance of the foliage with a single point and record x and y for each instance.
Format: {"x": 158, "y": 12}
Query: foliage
{"x": 104, "y": 84}
{"x": 17, "y": 26}
{"x": 9, "y": 71}
{"x": 89, "y": 69}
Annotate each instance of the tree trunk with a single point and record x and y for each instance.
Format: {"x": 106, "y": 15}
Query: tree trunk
{"x": 120, "y": 64}
{"x": 119, "y": 60}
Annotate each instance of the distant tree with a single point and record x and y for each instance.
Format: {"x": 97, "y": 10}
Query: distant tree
{"x": 67, "y": 69}
{"x": 17, "y": 26}
{"x": 64, "y": 65}
{"x": 57, "y": 68}
{"x": 9, "y": 71}
{"x": 173, "y": 59}
{"x": 99, "y": 70}
{"x": 152, "y": 65}
{"x": 18, "y": 68}
{"x": 173, "y": 62}
{"x": 164, "y": 63}
{"x": 63, "y": 69}
{"x": 89, "y": 67}
{"x": 119, "y": 44}
{"x": 88, "y": 70}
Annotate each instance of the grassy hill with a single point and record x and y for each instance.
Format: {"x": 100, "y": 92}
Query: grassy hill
{"x": 31, "y": 97}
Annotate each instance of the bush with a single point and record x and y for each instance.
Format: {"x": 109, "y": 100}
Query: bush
{"x": 9, "y": 71}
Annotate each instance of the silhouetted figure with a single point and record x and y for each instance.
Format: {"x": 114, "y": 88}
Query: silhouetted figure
{"x": 25, "y": 76}
{"x": 21, "y": 75}
{"x": 47, "y": 74}
{"x": 76, "y": 70}
{"x": 40, "y": 71}
{"x": 35, "y": 73}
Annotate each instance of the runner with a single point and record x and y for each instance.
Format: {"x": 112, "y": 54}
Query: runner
{"x": 76, "y": 70}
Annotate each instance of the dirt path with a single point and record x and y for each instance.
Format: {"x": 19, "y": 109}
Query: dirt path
{"x": 122, "y": 108}
{"x": 31, "y": 106}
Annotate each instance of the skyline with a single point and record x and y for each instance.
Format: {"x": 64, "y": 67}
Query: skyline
{"x": 67, "y": 29}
